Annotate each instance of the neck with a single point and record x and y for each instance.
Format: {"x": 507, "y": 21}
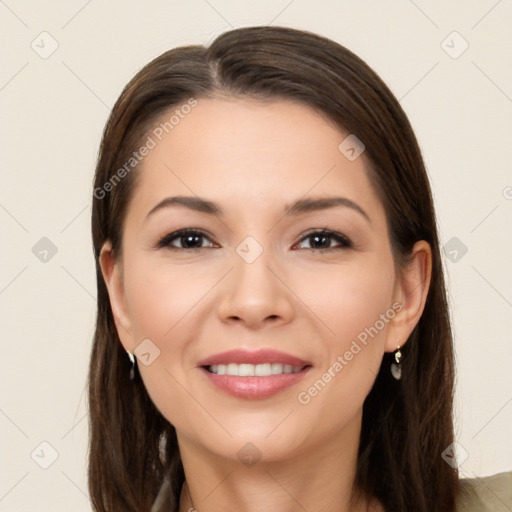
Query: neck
{"x": 316, "y": 480}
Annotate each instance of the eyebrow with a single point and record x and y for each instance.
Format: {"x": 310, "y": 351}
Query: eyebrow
{"x": 297, "y": 208}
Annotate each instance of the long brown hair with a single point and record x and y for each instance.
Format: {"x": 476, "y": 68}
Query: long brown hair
{"x": 406, "y": 424}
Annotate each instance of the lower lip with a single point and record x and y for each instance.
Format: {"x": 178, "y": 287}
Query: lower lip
{"x": 254, "y": 388}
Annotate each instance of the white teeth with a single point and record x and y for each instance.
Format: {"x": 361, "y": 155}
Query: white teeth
{"x": 251, "y": 370}
{"x": 231, "y": 369}
{"x": 262, "y": 370}
{"x": 246, "y": 370}
{"x": 277, "y": 368}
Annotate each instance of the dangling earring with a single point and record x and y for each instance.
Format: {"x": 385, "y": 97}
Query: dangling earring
{"x": 132, "y": 368}
{"x": 396, "y": 368}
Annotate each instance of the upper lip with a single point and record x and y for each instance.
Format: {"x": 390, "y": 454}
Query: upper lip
{"x": 261, "y": 356}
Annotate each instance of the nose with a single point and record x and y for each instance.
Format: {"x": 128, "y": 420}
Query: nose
{"x": 255, "y": 294}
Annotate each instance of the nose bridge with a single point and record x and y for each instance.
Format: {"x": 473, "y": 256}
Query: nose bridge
{"x": 252, "y": 293}
{"x": 252, "y": 264}
{"x": 253, "y": 280}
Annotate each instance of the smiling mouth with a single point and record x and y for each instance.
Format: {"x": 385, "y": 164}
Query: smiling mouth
{"x": 254, "y": 370}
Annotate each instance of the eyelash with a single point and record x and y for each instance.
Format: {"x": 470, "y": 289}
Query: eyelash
{"x": 165, "y": 242}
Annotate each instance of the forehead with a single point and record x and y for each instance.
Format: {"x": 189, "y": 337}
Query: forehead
{"x": 245, "y": 152}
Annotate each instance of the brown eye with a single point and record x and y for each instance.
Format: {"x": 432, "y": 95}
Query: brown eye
{"x": 322, "y": 240}
{"x": 186, "y": 238}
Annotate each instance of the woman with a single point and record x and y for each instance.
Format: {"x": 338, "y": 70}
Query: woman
{"x": 272, "y": 323}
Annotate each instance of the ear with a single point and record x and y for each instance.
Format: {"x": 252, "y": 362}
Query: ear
{"x": 112, "y": 275}
{"x": 411, "y": 292}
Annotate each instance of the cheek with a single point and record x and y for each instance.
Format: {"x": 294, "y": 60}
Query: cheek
{"x": 354, "y": 305}
{"x": 160, "y": 297}
{"x": 349, "y": 299}
{"x": 164, "y": 301}
{"x": 168, "y": 305}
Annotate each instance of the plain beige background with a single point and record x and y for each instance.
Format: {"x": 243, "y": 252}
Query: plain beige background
{"x": 54, "y": 106}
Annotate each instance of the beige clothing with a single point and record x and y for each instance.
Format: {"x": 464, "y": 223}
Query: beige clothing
{"x": 486, "y": 494}
{"x": 480, "y": 494}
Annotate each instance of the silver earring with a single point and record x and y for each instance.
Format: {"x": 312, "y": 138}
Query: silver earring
{"x": 396, "y": 368}
{"x": 132, "y": 368}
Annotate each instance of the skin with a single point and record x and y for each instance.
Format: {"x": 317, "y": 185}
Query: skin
{"x": 254, "y": 158}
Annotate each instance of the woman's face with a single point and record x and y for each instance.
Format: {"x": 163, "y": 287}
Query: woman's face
{"x": 253, "y": 279}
